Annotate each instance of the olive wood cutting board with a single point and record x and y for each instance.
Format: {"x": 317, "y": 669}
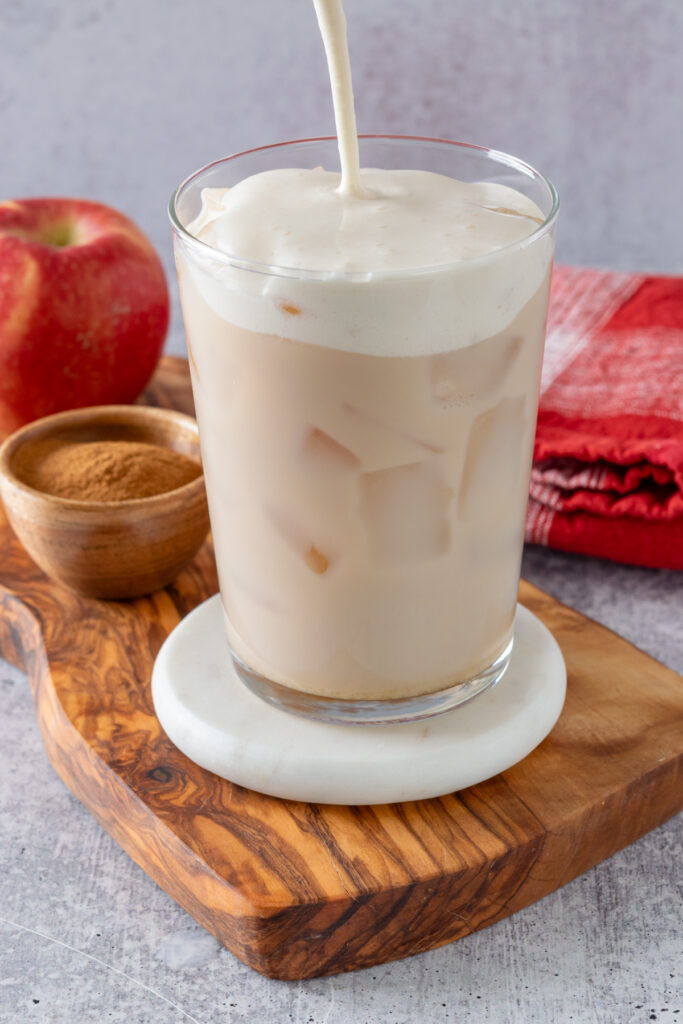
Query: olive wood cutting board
{"x": 298, "y": 890}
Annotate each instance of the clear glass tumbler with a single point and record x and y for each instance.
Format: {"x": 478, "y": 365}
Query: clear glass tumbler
{"x": 367, "y": 505}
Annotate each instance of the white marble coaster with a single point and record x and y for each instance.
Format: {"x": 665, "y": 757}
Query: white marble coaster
{"x": 218, "y": 723}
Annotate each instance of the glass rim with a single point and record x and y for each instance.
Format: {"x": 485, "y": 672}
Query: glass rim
{"x": 275, "y": 270}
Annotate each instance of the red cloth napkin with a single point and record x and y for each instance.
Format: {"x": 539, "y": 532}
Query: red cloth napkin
{"x": 607, "y": 477}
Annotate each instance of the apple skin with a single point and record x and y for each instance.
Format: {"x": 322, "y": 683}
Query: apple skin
{"x": 84, "y": 308}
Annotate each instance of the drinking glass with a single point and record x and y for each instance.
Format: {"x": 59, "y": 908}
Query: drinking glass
{"x": 367, "y": 442}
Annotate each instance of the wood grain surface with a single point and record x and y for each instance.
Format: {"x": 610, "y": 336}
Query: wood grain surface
{"x": 298, "y": 890}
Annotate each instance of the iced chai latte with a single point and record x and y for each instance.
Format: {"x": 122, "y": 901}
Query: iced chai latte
{"x": 365, "y": 368}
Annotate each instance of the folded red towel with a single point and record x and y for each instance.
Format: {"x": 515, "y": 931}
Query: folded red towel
{"x": 607, "y": 478}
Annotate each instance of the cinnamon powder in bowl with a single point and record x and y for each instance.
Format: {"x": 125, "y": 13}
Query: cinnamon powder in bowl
{"x": 108, "y": 500}
{"x": 104, "y": 470}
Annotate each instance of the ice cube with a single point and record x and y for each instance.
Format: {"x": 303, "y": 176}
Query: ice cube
{"x": 392, "y": 432}
{"x": 328, "y": 453}
{"x": 406, "y": 512}
{"x": 476, "y": 371}
{"x": 375, "y": 439}
{"x": 494, "y": 460}
{"x": 298, "y": 540}
{"x": 380, "y": 443}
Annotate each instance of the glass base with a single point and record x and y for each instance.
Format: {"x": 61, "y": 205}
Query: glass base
{"x": 372, "y": 712}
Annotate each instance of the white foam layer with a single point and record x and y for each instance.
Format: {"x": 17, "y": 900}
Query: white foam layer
{"x": 430, "y": 258}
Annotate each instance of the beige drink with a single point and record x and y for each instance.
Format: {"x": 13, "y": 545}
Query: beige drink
{"x": 367, "y": 511}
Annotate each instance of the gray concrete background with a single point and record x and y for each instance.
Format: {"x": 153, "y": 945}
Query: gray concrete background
{"x": 119, "y": 100}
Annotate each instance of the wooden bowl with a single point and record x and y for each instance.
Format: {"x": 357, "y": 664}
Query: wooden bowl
{"x": 107, "y": 549}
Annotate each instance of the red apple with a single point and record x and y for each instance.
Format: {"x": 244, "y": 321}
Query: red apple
{"x": 83, "y": 308}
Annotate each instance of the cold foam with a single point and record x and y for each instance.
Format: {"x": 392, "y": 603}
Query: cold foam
{"x": 421, "y": 264}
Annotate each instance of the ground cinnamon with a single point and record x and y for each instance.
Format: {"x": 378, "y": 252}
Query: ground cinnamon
{"x": 106, "y": 470}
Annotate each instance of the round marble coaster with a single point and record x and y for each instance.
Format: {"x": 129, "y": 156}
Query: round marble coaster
{"x": 219, "y": 724}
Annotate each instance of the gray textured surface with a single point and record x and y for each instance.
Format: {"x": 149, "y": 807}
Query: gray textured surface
{"x": 118, "y": 100}
{"x": 85, "y": 936}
